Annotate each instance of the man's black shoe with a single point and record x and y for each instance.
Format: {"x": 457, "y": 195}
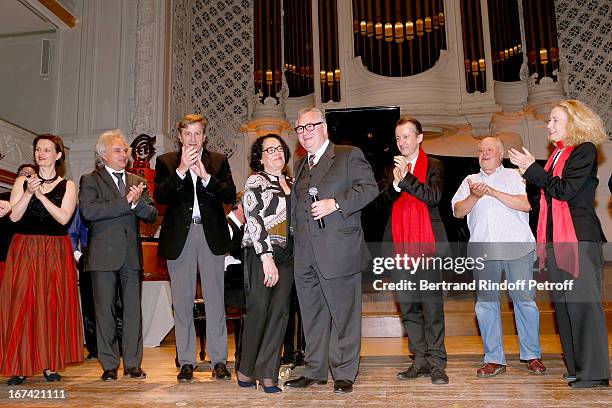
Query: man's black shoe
{"x": 438, "y": 376}
{"x": 413, "y": 372}
{"x": 109, "y": 375}
{"x": 186, "y": 373}
{"x": 343, "y": 387}
{"x": 304, "y": 382}
{"x": 589, "y": 384}
{"x": 220, "y": 372}
{"x": 135, "y": 372}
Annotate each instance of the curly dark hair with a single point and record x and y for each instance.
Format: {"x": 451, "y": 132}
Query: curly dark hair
{"x": 257, "y": 151}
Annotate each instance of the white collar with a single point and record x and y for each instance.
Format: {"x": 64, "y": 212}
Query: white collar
{"x": 111, "y": 171}
{"x": 497, "y": 170}
{"x": 233, "y": 217}
{"x": 320, "y": 151}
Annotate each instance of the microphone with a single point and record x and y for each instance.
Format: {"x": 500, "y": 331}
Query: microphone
{"x": 314, "y": 196}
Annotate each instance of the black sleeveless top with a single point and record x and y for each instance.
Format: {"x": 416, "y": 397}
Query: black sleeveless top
{"x": 36, "y": 220}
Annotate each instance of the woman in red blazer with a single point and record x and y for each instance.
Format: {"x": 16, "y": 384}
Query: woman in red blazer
{"x": 570, "y": 238}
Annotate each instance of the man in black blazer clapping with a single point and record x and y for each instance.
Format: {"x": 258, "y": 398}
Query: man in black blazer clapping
{"x": 194, "y": 183}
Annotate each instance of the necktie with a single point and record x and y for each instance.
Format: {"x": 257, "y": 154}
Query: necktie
{"x": 410, "y": 168}
{"x": 311, "y": 160}
{"x": 120, "y": 183}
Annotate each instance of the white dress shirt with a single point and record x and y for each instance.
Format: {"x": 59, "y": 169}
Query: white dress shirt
{"x": 492, "y": 221}
{"x": 318, "y": 153}
{"x": 111, "y": 171}
{"x": 230, "y": 260}
{"x": 194, "y": 179}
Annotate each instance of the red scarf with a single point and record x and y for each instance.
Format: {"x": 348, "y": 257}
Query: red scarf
{"x": 410, "y": 222}
{"x": 565, "y": 243}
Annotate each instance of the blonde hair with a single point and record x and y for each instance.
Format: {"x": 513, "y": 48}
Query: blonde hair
{"x": 583, "y": 125}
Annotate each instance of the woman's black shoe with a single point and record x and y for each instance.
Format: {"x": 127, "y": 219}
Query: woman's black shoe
{"x": 16, "y": 380}
{"x": 51, "y": 376}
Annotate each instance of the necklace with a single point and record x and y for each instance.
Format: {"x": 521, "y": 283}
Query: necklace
{"x": 48, "y": 181}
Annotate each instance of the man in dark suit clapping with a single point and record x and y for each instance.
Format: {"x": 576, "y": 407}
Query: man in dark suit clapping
{"x": 113, "y": 201}
{"x": 330, "y": 251}
{"x": 194, "y": 184}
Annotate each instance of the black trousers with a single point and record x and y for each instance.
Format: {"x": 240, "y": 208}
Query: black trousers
{"x": 580, "y": 316}
{"x": 105, "y": 299}
{"x": 87, "y": 306}
{"x": 422, "y": 314}
{"x": 267, "y": 311}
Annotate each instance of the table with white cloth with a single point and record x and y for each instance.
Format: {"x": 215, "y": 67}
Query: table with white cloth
{"x": 157, "y": 318}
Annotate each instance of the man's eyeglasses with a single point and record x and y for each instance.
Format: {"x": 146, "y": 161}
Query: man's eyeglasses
{"x": 272, "y": 150}
{"x": 309, "y": 127}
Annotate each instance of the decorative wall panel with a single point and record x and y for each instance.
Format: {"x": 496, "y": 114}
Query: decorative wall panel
{"x": 221, "y": 60}
{"x": 585, "y": 37}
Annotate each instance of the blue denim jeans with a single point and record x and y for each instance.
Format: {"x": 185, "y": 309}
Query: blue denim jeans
{"x": 526, "y": 311}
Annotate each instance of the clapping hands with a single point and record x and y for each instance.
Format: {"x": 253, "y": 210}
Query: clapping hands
{"x": 34, "y": 184}
{"x": 133, "y": 196}
{"x": 477, "y": 188}
{"x": 522, "y": 159}
{"x": 191, "y": 159}
{"x": 401, "y": 168}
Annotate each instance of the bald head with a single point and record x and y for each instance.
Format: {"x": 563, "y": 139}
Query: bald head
{"x": 490, "y": 153}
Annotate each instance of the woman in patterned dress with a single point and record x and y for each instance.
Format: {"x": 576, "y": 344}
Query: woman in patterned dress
{"x": 268, "y": 263}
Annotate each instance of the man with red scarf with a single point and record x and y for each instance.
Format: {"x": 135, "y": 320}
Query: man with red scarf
{"x": 416, "y": 227}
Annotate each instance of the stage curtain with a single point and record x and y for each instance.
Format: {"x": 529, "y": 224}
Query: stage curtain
{"x": 398, "y": 37}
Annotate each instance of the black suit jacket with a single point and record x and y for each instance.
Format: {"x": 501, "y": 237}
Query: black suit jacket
{"x": 114, "y": 233}
{"x": 235, "y": 249}
{"x": 430, "y": 193}
{"x": 178, "y": 194}
{"x": 577, "y": 187}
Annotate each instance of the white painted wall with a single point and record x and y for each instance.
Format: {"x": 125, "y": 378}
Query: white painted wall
{"x": 95, "y": 87}
{"x": 27, "y": 99}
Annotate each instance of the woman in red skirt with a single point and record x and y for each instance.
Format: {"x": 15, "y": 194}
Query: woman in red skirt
{"x": 40, "y": 319}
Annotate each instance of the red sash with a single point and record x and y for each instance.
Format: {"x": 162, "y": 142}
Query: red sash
{"x": 565, "y": 243}
{"x": 411, "y": 225}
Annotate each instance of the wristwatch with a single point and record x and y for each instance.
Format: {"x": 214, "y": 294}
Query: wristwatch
{"x": 337, "y": 206}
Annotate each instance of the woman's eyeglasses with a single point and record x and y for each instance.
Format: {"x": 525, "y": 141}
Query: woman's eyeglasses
{"x": 272, "y": 150}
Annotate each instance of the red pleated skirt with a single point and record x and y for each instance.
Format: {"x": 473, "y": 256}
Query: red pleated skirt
{"x": 40, "y": 317}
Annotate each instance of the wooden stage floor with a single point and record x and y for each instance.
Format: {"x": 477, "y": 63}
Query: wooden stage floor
{"x": 376, "y": 385}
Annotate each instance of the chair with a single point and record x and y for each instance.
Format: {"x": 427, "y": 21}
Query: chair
{"x": 233, "y": 314}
